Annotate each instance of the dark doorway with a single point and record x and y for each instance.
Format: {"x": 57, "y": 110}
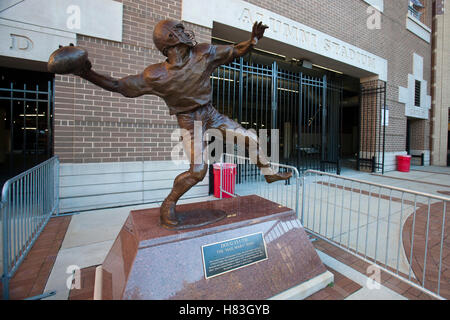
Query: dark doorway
{"x": 408, "y": 136}
{"x": 350, "y": 123}
{"x": 26, "y": 110}
{"x": 448, "y": 140}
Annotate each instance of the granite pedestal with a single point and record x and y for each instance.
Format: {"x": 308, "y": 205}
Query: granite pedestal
{"x": 148, "y": 261}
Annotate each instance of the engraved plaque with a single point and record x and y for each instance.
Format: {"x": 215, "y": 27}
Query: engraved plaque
{"x": 229, "y": 255}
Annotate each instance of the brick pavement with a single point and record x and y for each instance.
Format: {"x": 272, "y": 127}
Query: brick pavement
{"x": 433, "y": 225}
{"x": 362, "y": 266}
{"x": 32, "y": 275}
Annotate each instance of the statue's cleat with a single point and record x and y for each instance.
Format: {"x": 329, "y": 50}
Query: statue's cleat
{"x": 278, "y": 177}
{"x": 167, "y": 215}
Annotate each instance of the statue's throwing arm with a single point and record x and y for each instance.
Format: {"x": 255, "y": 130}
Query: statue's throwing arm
{"x": 131, "y": 86}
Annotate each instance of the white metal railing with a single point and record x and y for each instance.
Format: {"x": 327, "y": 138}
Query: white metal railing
{"x": 401, "y": 231}
{"x": 27, "y": 203}
{"x": 248, "y": 180}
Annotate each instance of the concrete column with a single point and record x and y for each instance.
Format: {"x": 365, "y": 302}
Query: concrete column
{"x": 440, "y": 89}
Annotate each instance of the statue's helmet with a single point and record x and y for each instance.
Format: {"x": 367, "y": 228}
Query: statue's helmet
{"x": 169, "y": 33}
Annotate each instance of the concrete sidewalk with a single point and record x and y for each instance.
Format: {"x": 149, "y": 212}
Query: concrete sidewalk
{"x": 91, "y": 234}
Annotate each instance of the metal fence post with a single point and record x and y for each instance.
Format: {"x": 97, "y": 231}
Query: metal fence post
{"x": 324, "y": 123}
{"x": 56, "y": 181}
{"x": 274, "y": 106}
{"x": 303, "y": 197}
{"x": 5, "y": 280}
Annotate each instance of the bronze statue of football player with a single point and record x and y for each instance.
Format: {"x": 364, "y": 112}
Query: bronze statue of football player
{"x": 183, "y": 82}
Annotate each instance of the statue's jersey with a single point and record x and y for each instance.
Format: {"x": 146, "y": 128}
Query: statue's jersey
{"x": 188, "y": 87}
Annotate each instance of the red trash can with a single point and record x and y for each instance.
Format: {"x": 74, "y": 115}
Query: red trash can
{"x": 403, "y": 163}
{"x": 229, "y": 179}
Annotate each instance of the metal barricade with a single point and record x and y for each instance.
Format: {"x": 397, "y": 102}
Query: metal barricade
{"x": 28, "y": 201}
{"x": 248, "y": 180}
{"x": 403, "y": 232}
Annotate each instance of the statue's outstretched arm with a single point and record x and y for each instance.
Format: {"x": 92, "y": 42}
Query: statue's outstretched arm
{"x": 243, "y": 48}
{"x": 130, "y": 86}
{"x": 74, "y": 60}
{"x": 223, "y": 54}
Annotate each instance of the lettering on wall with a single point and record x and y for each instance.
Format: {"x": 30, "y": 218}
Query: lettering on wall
{"x": 99, "y": 19}
{"x": 241, "y": 14}
{"x": 309, "y": 40}
{"x": 20, "y": 43}
{"x": 26, "y": 32}
{"x": 302, "y": 37}
{"x": 343, "y": 51}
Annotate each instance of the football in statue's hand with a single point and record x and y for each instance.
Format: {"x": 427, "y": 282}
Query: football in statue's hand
{"x": 70, "y": 59}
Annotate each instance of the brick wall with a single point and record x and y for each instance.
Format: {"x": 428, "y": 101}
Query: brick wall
{"x": 420, "y": 134}
{"x": 93, "y": 125}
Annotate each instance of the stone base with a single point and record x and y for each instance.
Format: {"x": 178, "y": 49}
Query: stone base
{"x": 148, "y": 261}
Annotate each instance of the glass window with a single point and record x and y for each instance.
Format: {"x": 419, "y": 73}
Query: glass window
{"x": 417, "y": 93}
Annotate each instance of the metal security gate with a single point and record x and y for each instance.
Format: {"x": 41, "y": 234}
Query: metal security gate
{"x": 26, "y": 109}
{"x": 305, "y": 109}
{"x": 317, "y": 121}
{"x": 372, "y": 128}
